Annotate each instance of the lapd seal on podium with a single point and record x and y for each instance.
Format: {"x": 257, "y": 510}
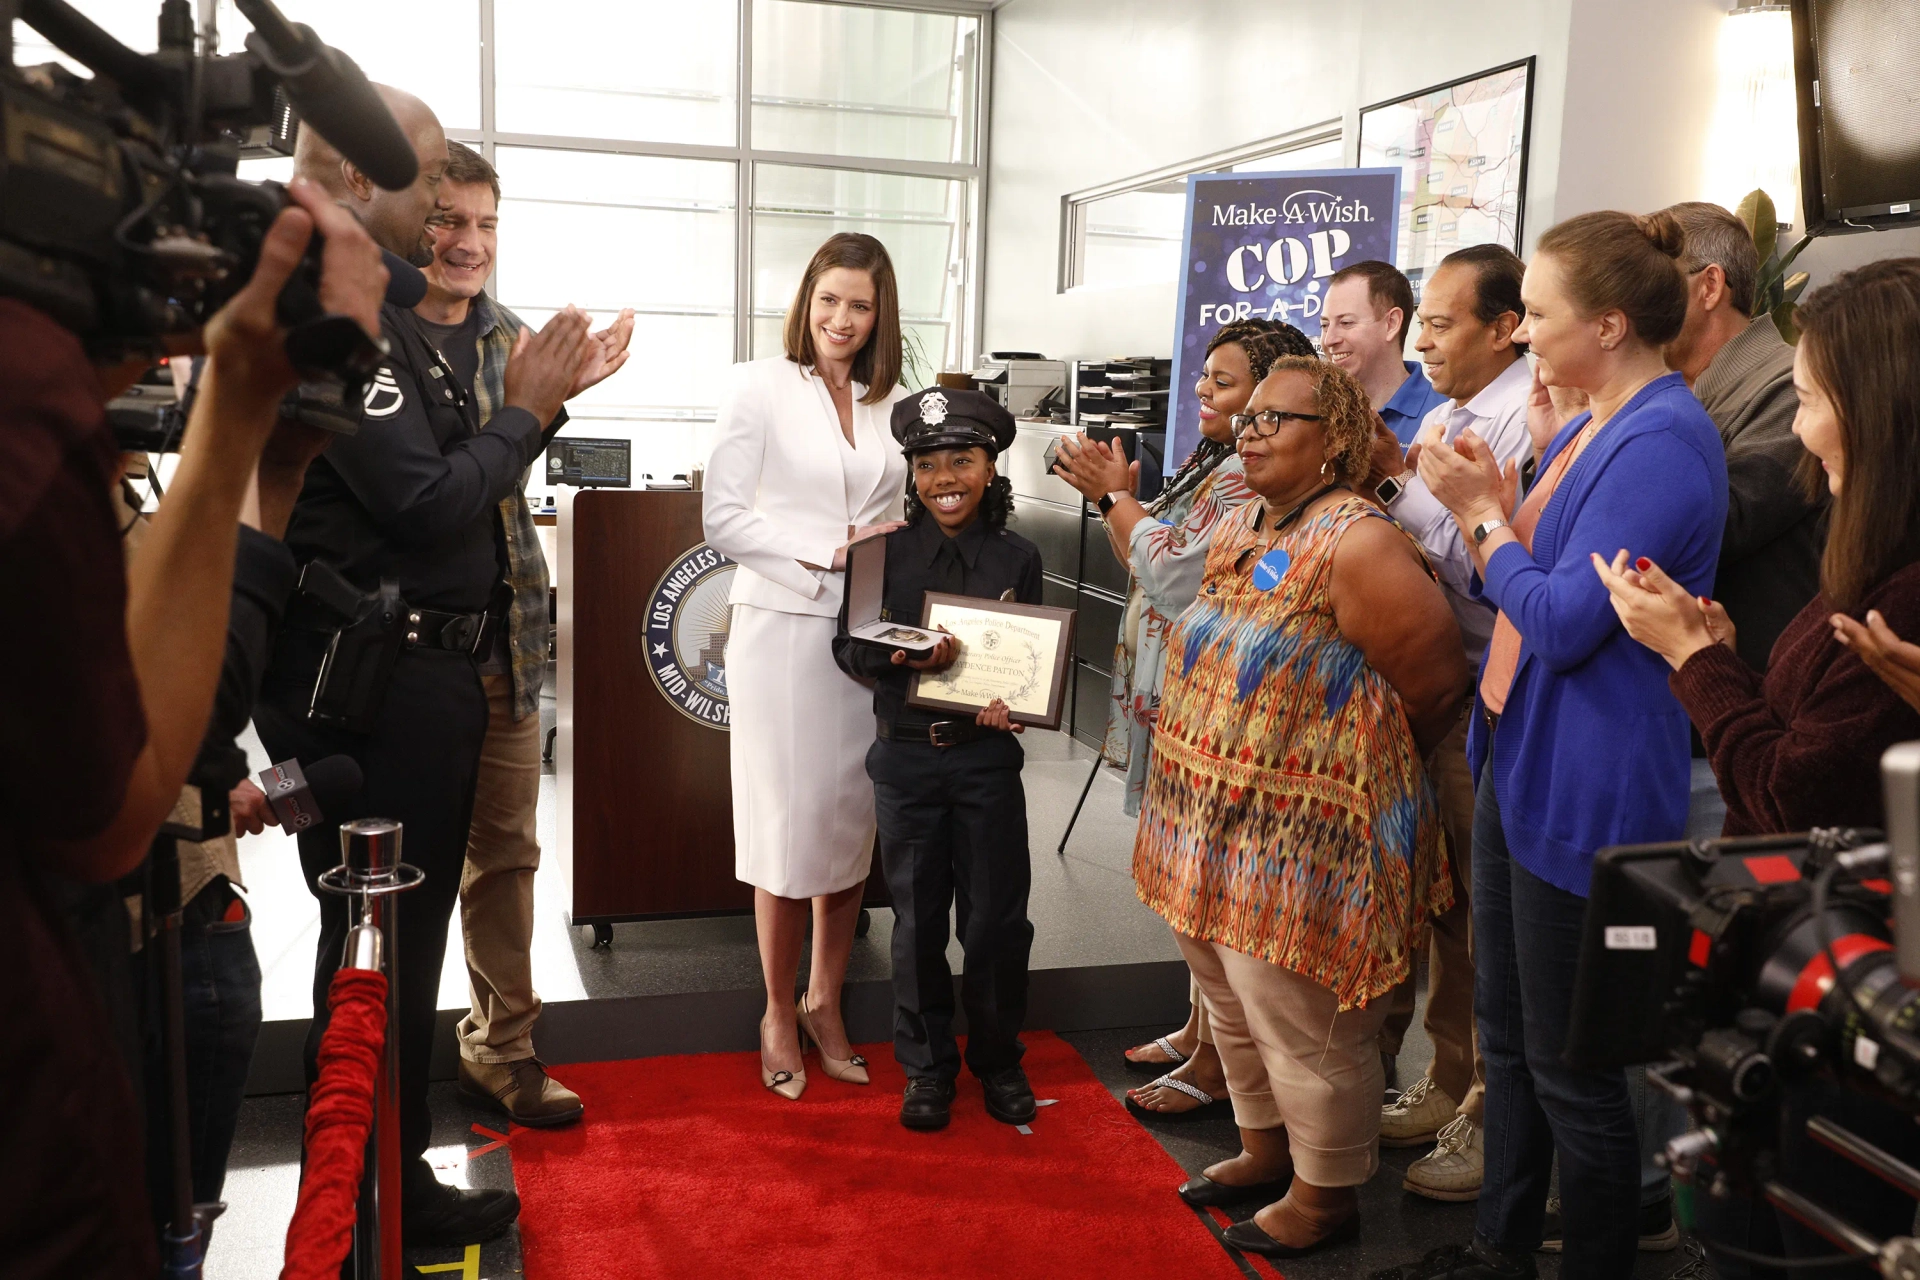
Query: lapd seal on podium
{"x": 686, "y": 635}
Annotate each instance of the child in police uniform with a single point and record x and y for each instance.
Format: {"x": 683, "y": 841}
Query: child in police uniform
{"x": 952, "y": 813}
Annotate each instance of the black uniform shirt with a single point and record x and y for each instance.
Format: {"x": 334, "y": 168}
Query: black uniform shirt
{"x": 922, "y": 558}
{"x": 415, "y": 495}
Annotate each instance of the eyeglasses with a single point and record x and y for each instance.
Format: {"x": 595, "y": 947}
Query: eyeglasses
{"x": 1266, "y": 422}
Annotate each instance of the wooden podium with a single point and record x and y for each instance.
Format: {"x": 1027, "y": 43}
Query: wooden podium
{"x": 646, "y": 804}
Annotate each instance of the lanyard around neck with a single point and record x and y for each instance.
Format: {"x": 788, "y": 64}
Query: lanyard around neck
{"x": 1281, "y": 524}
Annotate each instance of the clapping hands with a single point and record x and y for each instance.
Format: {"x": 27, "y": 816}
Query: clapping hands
{"x": 1886, "y": 654}
{"x": 606, "y": 352}
{"x": 1659, "y": 612}
{"x": 1466, "y": 478}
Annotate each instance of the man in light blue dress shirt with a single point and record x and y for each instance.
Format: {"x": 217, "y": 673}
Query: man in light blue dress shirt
{"x": 1468, "y": 315}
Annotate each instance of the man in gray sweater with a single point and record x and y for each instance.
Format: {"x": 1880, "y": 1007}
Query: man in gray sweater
{"x": 1742, "y": 371}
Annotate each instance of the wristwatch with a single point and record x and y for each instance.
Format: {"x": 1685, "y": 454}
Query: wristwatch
{"x": 1106, "y": 503}
{"x": 1484, "y": 530}
{"x": 1388, "y": 489}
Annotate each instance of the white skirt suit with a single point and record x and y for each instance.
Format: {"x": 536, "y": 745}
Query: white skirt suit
{"x": 783, "y": 486}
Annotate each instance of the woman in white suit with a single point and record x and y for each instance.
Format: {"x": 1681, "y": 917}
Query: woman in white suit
{"x": 803, "y": 464}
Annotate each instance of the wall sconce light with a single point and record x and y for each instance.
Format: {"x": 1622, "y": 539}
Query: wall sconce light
{"x": 1755, "y": 137}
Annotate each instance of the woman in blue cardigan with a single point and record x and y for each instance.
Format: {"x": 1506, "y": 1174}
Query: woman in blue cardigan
{"x": 1577, "y": 742}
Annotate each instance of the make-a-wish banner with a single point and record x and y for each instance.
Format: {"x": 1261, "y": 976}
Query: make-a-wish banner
{"x": 1263, "y": 245}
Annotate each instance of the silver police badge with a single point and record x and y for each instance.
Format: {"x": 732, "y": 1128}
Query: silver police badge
{"x": 933, "y": 409}
{"x": 686, "y": 635}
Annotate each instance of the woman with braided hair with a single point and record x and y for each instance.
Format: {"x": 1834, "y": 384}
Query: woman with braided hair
{"x": 1164, "y": 544}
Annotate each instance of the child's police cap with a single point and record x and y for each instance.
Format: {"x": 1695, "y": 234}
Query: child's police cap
{"x": 952, "y": 418}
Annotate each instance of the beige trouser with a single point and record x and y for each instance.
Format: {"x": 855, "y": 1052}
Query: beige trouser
{"x": 1456, "y": 1044}
{"x": 1294, "y": 1060}
{"x": 496, "y": 886}
{"x": 1202, "y": 1031}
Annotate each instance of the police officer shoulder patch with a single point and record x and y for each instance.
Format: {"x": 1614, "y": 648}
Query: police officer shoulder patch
{"x": 686, "y": 635}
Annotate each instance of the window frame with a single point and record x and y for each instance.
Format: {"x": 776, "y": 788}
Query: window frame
{"x": 1073, "y": 205}
{"x": 746, "y": 157}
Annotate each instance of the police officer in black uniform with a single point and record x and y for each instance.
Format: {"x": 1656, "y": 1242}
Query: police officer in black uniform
{"x": 409, "y": 506}
{"x": 952, "y": 813}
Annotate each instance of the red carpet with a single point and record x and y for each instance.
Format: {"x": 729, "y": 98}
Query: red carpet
{"x": 686, "y": 1167}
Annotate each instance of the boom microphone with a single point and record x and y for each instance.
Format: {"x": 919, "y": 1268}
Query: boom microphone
{"x": 302, "y": 798}
{"x": 332, "y": 96}
{"x": 406, "y": 283}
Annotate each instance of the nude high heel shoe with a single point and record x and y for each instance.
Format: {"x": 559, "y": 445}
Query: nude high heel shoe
{"x": 846, "y": 1070}
{"x": 788, "y": 1084}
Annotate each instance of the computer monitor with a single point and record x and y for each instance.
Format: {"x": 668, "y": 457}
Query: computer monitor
{"x": 590, "y": 464}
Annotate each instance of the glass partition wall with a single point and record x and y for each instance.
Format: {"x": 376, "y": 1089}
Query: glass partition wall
{"x": 685, "y": 158}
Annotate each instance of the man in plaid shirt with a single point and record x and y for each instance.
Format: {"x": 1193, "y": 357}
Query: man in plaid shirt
{"x": 475, "y": 336}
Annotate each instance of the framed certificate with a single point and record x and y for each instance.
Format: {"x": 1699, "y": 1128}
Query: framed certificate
{"x": 1018, "y": 653}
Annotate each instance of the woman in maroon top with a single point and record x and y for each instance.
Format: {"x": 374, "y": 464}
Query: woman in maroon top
{"x": 1800, "y": 746}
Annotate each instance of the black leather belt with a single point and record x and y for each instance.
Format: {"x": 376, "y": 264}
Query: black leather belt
{"x": 425, "y": 628}
{"x": 458, "y": 632}
{"x": 1491, "y": 716}
{"x": 941, "y": 733}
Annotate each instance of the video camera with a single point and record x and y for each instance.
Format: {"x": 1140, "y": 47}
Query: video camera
{"x": 121, "y": 215}
{"x": 1743, "y": 969}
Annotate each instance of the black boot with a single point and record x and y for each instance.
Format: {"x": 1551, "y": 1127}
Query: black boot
{"x": 1009, "y": 1096}
{"x": 928, "y": 1103}
{"x": 435, "y": 1214}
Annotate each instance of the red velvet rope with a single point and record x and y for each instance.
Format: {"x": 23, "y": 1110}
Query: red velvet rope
{"x": 339, "y": 1114}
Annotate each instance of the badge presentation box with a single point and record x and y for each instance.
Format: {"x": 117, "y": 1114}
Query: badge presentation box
{"x": 866, "y": 620}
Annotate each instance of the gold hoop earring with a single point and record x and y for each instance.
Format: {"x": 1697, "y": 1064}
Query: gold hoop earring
{"x": 1326, "y": 467}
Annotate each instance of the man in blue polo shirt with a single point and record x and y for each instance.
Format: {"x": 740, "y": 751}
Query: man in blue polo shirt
{"x": 1363, "y": 329}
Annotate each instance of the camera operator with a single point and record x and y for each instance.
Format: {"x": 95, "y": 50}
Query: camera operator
{"x": 413, "y": 500}
{"x": 95, "y": 742}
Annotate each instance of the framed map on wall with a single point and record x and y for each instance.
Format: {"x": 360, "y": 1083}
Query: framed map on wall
{"x": 1461, "y": 149}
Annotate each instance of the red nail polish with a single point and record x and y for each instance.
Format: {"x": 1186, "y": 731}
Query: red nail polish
{"x": 1643, "y": 564}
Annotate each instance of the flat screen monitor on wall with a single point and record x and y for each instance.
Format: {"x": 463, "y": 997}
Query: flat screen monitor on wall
{"x": 1856, "y": 63}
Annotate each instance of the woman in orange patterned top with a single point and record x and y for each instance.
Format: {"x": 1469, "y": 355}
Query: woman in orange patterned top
{"x": 1163, "y": 545}
{"x": 1289, "y": 833}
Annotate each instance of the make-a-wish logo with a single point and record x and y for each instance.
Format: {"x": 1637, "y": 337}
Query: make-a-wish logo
{"x": 686, "y": 636}
{"x": 1322, "y": 208}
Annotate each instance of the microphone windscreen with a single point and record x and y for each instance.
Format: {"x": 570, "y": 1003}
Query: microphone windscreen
{"x": 406, "y": 283}
{"x": 334, "y": 782}
{"x": 332, "y": 96}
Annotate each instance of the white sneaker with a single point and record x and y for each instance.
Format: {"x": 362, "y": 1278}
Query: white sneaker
{"x": 1453, "y": 1169}
{"x": 1417, "y": 1115}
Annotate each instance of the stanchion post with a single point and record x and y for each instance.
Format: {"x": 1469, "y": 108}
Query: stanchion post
{"x": 369, "y": 874}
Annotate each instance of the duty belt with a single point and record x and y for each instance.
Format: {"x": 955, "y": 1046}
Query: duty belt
{"x": 941, "y": 733}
